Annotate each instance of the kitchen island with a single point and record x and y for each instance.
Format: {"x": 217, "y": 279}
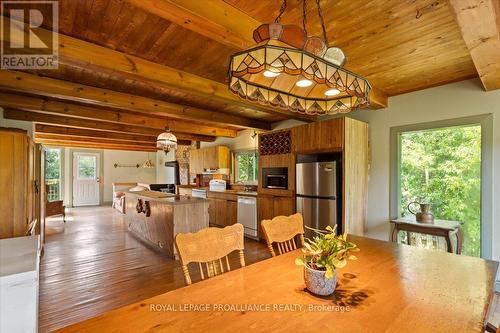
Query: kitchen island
{"x": 156, "y": 217}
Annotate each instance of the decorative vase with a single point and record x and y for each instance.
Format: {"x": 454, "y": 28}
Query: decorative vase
{"x": 317, "y": 283}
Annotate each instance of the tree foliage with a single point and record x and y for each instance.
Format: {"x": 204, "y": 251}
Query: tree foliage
{"x": 247, "y": 166}
{"x": 53, "y": 164}
{"x": 443, "y": 167}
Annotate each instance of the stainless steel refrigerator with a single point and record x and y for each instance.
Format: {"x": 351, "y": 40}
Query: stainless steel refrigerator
{"x": 318, "y": 191}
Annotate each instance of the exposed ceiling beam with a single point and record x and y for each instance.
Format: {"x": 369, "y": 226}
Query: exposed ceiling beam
{"x": 119, "y": 117}
{"x": 217, "y": 20}
{"x": 479, "y": 23}
{"x": 65, "y": 143}
{"x": 44, "y": 86}
{"x": 94, "y": 125}
{"x": 57, "y": 137}
{"x": 378, "y": 99}
{"x": 90, "y": 133}
{"x": 79, "y": 54}
{"x": 97, "y": 139}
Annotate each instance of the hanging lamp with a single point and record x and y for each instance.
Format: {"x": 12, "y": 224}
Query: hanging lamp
{"x": 289, "y": 70}
{"x": 166, "y": 141}
{"x": 148, "y": 164}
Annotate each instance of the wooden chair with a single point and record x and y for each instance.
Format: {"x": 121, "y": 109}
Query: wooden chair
{"x": 282, "y": 231}
{"x": 210, "y": 246}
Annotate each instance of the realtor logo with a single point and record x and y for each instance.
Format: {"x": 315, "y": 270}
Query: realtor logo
{"x": 29, "y": 32}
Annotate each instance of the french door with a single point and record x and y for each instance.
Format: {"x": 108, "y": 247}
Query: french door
{"x": 86, "y": 179}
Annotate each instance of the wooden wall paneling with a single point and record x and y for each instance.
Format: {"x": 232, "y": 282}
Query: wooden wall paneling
{"x": 355, "y": 184}
{"x": 13, "y": 182}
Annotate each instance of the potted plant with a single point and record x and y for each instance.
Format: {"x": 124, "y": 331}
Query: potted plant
{"x": 322, "y": 255}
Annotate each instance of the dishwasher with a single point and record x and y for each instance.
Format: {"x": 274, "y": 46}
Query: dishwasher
{"x": 247, "y": 215}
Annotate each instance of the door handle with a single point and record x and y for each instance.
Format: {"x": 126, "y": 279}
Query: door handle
{"x": 98, "y": 179}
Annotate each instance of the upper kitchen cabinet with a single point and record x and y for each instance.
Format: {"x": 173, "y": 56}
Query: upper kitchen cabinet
{"x": 216, "y": 157}
{"x": 213, "y": 158}
{"x": 322, "y": 136}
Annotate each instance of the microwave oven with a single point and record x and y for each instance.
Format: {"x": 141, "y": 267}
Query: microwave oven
{"x": 275, "y": 178}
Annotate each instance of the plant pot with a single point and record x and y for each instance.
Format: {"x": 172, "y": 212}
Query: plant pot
{"x": 317, "y": 283}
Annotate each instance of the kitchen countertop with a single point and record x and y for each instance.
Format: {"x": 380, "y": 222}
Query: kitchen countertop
{"x": 167, "y": 198}
{"x": 230, "y": 191}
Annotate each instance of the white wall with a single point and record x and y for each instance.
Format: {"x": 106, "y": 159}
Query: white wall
{"x": 164, "y": 175}
{"x": 244, "y": 140}
{"x": 462, "y": 99}
{"x": 112, "y": 174}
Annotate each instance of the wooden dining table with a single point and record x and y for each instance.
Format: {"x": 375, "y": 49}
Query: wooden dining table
{"x": 390, "y": 288}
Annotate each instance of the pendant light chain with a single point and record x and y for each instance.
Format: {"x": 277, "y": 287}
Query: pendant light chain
{"x": 320, "y": 14}
{"x": 304, "y": 15}
{"x": 282, "y": 10}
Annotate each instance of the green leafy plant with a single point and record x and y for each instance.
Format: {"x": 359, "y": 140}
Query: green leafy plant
{"x": 327, "y": 251}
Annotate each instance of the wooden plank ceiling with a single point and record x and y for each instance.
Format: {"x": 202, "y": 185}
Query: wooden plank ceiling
{"x": 129, "y": 68}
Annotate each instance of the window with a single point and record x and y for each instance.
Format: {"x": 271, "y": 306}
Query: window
{"x": 53, "y": 173}
{"x": 246, "y": 167}
{"x": 87, "y": 167}
{"x": 442, "y": 166}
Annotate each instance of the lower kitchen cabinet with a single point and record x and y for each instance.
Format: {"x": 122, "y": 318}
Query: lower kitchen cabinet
{"x": 272, "y": 206}
{"x": 222, "y": 212}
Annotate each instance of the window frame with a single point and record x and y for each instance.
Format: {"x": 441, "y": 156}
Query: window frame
{"x": 61, "y": 169}
{"x": 486, "y": 123}
{"x": 235, "y": 166}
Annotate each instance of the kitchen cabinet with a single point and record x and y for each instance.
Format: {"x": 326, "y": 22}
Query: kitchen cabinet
{"x": 195, "y": 161}
{"x": 269, "y": 206}
{"x": 321, "y": 136}
{"x": 213, "y": 158}
{"x": 222, "y": 209}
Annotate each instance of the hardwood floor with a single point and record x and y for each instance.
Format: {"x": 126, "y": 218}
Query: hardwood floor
{"x": 92, "y": 264}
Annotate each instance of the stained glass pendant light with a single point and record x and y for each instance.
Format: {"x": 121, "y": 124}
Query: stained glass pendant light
{"x": 166, "y": 141}
{"x": 289, "y": 70}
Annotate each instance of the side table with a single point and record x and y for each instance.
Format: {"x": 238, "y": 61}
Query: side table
{"x": 440, "y": 228}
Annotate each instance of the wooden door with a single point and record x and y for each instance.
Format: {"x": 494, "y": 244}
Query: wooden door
{"x": 86, "y": 178}
{"x": 220, "y": 212}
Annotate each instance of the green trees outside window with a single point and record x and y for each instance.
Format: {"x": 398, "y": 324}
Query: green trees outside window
{"x": 443, "y": 167}
{"x": 53, "y": 173}
{"x": 246, "y": 165}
